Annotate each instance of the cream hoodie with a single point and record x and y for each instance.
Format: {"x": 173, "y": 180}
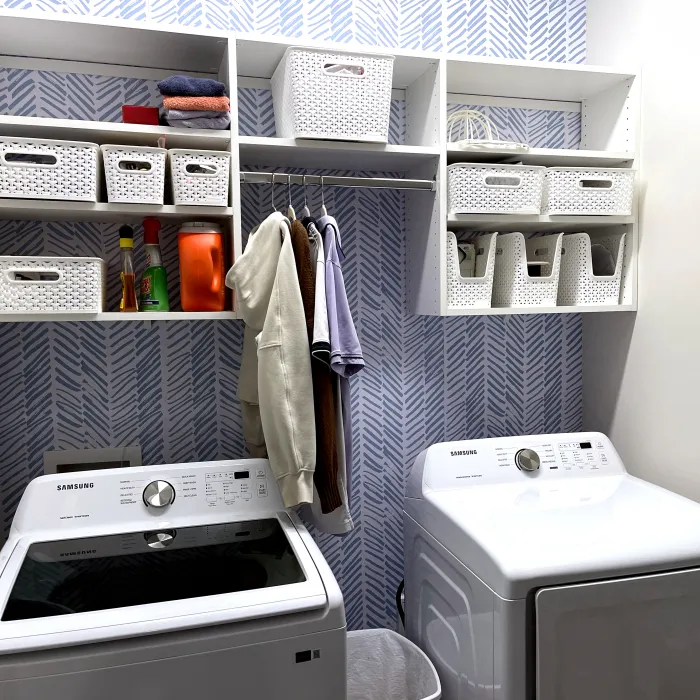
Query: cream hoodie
{"x": 275, "y": 381}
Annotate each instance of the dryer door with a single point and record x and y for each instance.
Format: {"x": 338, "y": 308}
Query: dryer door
{"x": 625, "y": 639}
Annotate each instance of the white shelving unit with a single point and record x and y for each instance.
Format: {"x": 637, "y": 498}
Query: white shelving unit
{"x": 606, "y": 98}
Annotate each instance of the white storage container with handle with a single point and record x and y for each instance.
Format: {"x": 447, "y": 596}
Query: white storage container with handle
{"x": 475, "y": 188}
{"x": 134, "y": 174}
{"x": 200, "y": 177}
{"x": 31, "y": 284}
{"x": 471, "y": 292}
{"x": 332, "y": 94}
{"x": 594, "y": 191}
{"x": 45, "y": 169}
{"x": 512, "y": 283}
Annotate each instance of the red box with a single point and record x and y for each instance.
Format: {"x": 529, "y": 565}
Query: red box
{"x": 133, "y": 114}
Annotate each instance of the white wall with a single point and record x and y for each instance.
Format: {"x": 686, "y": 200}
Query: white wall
{"x": 642, "y": 375}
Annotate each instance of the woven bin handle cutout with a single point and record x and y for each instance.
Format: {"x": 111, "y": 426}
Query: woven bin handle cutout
{"x": 511, "y": 181}
{"x": 32, "y": 276}
{"x": 592, "y": 183}
{"x": 140, "y": 167}
{"x": 202, "y": 169}
{"x": 34, "y": 159}
{"x": 344, "y": 70}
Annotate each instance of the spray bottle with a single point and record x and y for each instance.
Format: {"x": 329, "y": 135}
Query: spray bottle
{"x": 154, "y": 283}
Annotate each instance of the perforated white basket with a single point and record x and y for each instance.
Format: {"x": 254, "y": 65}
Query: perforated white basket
{"x": 512, "y": 284}
{"x": 43, "y": 169}
{"x": 200, "y": 177}
{"x": 471, "y": 292}
{"x": 320, "y": 94}
{"x": 578, "y": 286}
{"x": 144, "y": 184}
{"x": 602, "y": 191}
{"x": 494, "y": 189}
{"x": 45, "y": 284}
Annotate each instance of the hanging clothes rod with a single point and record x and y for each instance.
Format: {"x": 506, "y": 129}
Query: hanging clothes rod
{"x": 379, "y": 183}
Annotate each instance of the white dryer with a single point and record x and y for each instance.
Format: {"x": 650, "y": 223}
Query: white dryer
{"x": 167, "y": 582}
{"x": 536, "y": 567}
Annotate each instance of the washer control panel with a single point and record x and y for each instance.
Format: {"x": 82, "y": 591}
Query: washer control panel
{"x": 514, "y": 459}
{"x": 231, "y": 489}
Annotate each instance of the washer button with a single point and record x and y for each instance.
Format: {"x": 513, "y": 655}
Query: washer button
{"x": 527, "y": 460}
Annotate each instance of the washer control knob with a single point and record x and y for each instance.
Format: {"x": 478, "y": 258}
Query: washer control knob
{"x": 160, "y": 540}
{"x": 158, "y": 494}
{"x": 527, "y": 460}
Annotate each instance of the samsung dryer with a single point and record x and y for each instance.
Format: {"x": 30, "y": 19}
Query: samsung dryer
{"x": 537, "y": 567}
{"x": 178, "y": 581}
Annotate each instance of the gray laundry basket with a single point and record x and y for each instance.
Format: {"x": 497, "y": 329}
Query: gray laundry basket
{"x": 383, "y": 665}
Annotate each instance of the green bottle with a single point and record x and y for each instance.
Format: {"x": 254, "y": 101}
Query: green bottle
{"x": 154, "y": 282}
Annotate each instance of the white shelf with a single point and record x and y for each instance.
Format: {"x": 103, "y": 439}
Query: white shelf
{"x": 346, "y": 155}
{"x": 114, "y": 42}
{"x": 107, "y": 316}
{"x": 524, "y": 223}
{"x": 115, "y": 133}
{"x": 552, "y": 157}
{"x": 533, "y": 80}
{"x": 538, "y": 310}
{"x": 44, "y": 210}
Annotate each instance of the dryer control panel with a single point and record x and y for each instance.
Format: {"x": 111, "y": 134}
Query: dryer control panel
{"x": 459, "y": 465}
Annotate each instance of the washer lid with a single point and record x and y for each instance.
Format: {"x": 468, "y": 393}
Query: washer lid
{"x": 518, "y": 537}
{"x": 119, "y": 584}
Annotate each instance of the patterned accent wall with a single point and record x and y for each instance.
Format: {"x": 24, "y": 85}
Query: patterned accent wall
{"x": 541, "y": 30}
{"x": 171, "y": 387}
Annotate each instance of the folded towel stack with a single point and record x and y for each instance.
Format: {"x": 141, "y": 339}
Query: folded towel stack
{"x": 195, "y": 103}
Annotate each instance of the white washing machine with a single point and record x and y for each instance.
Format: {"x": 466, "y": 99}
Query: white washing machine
{"x": 536, "y": 567}
{"x": 167, "y": 582}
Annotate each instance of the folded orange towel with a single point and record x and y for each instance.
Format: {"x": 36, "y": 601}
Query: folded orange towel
{"x": 198, "y": 104}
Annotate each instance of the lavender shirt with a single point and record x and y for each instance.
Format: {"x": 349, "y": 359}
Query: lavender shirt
{"x": 346, "y": 353}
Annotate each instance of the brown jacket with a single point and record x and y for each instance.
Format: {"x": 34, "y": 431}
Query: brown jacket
{"x": 326, "y": 473}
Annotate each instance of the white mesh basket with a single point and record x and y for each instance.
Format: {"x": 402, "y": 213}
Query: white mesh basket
{"x": 471, "y": 292}
{"x": 512, "y": 284}
{"x": 494, "y": 189}
{"x": 200, "y": 177}
{"x": 602, "y": 191}
{"x": 45, "y": 284}
{"x": 320, "y": 94}
{"x": 42, "y": 169}
{"x": 578, "y": 286}
{"x": 134, "y": 174}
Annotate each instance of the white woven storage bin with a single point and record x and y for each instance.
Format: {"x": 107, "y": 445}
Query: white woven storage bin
{"x": 601, "y": 191}
{"x": 139, "y": 186}
{"x": 494, "y": 189}
{"x": 42, "y": 169}
{"x": 200, "y": 177}
{"x": 578, "y": 286}
{"x": 45, "y": 284}
{"x": 512, "y": 285}
{"x": 312, "y": 101}
{"x": 471, "y": 292}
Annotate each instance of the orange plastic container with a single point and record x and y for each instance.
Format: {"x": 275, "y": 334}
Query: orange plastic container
{"x": 201, "y": 248}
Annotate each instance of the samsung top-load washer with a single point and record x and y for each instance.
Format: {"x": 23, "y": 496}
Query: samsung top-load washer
{"x": 537, "y": 567}
{"x": 167, "y": 582}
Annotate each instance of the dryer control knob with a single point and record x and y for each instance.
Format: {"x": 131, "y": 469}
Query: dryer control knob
{"x": 158, "y": 494}
{"x": 527, "y": 460}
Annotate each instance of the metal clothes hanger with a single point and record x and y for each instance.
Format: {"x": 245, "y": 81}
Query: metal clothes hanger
{"x": 272, "y": 193}
{"x": 291, "y": 215}
{"x": 305, "y": 211}
{"x": 324, "y": 211}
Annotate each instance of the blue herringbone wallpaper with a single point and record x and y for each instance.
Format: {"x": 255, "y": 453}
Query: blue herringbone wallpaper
{"x": 171, "y": 387}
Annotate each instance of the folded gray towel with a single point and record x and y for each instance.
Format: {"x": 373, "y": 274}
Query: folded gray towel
{"x": 202, "y": 122}
{"x": 184, "y": 86}
{"x": 185, "y": 114}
